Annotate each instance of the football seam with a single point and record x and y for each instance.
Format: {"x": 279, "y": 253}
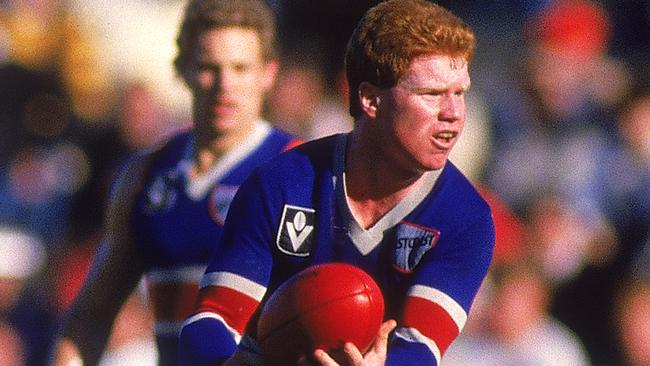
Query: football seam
{"x": 365, "y": 290}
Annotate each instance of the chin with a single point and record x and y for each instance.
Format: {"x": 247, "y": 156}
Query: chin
{"x": 224, "y": 124}
{"x": 435, "y": 164}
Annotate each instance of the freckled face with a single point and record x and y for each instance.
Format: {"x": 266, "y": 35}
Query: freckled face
{"x": 229, "y": 79}
{"x": 423, "y": 116}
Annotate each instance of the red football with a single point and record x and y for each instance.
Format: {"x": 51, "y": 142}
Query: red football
{"x": 323, "y": 306}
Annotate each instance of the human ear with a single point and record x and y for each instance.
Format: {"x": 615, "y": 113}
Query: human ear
{"x": 369, "y": 98}
{"x": 270, "y": 74}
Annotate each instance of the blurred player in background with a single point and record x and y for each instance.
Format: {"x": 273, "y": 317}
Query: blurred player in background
{"x": 168, "y": 205}
{"x": 383, "y": 197}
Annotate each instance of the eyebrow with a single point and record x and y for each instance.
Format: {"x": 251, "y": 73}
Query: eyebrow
{"x": 426, "y": 90}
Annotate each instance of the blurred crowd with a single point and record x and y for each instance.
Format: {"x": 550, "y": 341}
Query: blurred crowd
{"x": 557, "y": 138}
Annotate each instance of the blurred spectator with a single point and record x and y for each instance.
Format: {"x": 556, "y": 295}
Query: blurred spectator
{"x": 13, "y": 352}
{"x": 140, "y": 122}
{"x": 136, "y": 43}
{"x": 632, "y": 320}
{"x": 143, "y": 121}
{"x": 474, "y": 149}
{"x": 301, "y": 101}
{"x": 640, "y": 267}
{"x": 475, "y": 346}
{"x": 519, "y": 319}
{"x": 47, "y": 36}
{"x": 511, "y": 324}
{"x": 564, "y": 242}
{"x": 328, "y": 24}
{"x": 23, "y": 334}
{"x": 550, "y": 135}
{"x": 40, "y": 168}
{"x": 631, "y": 32}
{"x": 23, "y": 256}
{"x": 576, "y": 260}
{"x": 626, "y": 182}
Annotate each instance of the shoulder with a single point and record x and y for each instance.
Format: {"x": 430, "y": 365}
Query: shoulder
{"x": 465, "y": 210}
{"x": 172, "y": 148}
{"x": 306, "y": 158}
{"x": 135, "y": 170}
{"x": 455, "y": 190}
{"x": 278, "y": 140}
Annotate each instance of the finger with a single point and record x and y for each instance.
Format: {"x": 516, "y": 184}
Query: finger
{"x": 354, "y": 355}
{"x": 384, "y": 331}
{"x": 303, "y": 361}
{"x": 387, "y": 327}
{"x": 323, "y": 358}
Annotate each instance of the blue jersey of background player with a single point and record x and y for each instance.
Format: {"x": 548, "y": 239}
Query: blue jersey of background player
{"x": 176, "y": 222}
{"x": 383, "y": 197}
{"x": 167, "y": 207}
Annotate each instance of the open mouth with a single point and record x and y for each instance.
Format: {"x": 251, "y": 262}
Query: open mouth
{"x": 445, "y": 136}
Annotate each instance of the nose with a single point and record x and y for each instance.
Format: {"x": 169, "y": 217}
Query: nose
{"x": 217, "y": 80}
{"x": 225, "y": 79}
{"x": 451, "y": 107}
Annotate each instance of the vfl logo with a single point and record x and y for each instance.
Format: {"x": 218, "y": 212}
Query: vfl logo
{"x": 161, "y": 195}
{"x": 294, "y": 233}
{"x": 412, "y": 243}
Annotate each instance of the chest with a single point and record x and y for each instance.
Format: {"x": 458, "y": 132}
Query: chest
{"x": 174, "y": 228}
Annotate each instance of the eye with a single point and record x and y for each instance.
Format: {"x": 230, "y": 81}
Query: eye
{"x": 431, "y": 94}
{"x": 241, "y": 68}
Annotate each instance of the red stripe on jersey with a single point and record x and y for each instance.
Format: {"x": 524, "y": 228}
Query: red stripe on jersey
{"x": 233, "y": 306}
{"x": 431, "y": 320}
{"x": 293, "y": 143}
{"x": 172, "y": 301}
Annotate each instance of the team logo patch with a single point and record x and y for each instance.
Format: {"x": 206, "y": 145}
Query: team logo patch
{"x": 411, "y": 243}
{"x": 220, "y": 199}
{"x": 295, "y": 234}
{"x": 161, "y": 194}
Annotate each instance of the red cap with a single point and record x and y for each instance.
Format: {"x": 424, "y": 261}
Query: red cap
{"x": 577, "y": 26}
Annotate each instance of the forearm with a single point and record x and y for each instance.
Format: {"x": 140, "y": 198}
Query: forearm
{"x": 205, "y": 341}
{"x": 82, "y": 336}
{"x": 405, "y": 348}
{"x": 65, "y": 353}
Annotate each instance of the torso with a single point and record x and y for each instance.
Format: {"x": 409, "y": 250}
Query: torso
{"x": 177, "y": 221}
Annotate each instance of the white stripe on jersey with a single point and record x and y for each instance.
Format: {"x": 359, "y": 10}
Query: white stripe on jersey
{"x": 208, "y": 315}
{"x": 455, "y": 311}
{"x": 167, "y": 329}
{"x": 235, "y": 282}
{"x": 198, "y": 186}
{"x": 414, "y": 336}
{"x": 189, "y": 274}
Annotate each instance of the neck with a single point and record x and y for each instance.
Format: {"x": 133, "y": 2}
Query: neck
{"x": 213, "y": 145}
{"x": 374, "y": 184}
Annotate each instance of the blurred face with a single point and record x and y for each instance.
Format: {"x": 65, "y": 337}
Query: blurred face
{"x": 229, "y": 79}
{"x": 636, "y": 129}
{"x": 423, "y": 116}
{"x": 559, "y": 79}
{"x": 520, "y": 302}
{"x": 635, "y": 327}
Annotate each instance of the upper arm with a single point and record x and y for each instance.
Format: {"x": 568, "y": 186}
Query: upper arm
{"x": 438, "y": 302}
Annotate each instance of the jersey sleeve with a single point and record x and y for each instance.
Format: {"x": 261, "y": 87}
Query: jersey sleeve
{"x": 234, "y": 283}
{"x": 438, "y": 301}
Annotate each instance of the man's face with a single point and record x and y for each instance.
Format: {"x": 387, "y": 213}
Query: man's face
{"x": 421, "y": 117}
{"x": 228, "y": 79}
